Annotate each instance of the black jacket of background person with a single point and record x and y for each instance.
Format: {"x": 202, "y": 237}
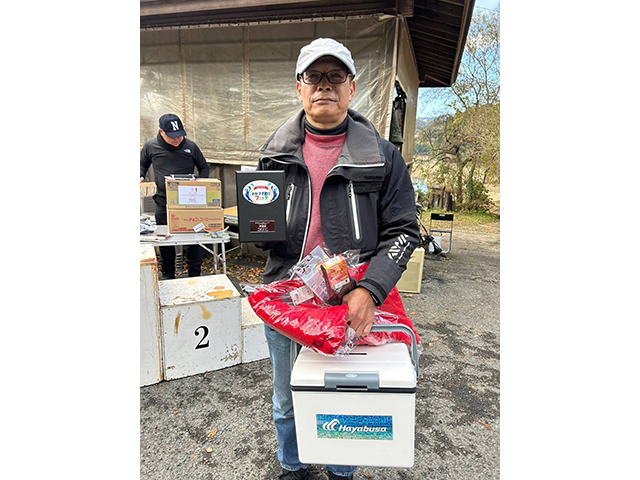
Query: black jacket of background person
{"x": 169, "y": 160}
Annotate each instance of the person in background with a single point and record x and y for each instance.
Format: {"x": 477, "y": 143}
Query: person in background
{"x": 348, "y": 189}
{"x": 171, "y": 153}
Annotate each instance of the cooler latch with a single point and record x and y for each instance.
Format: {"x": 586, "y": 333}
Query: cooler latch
{"x": 351, "y": 381}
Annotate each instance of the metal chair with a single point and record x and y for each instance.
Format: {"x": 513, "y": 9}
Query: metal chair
{"x": 442, "y": 217}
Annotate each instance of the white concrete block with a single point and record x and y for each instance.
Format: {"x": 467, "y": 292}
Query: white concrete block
{"x": 150, "y": 344}
{"x": 201, "y": 326}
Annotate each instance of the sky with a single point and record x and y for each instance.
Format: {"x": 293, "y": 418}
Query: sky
{"x": 433, "y": 109}
{"x": 490, "y": 4}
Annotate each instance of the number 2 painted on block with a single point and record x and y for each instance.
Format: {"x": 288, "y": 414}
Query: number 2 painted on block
{"x": 204, "y": 336}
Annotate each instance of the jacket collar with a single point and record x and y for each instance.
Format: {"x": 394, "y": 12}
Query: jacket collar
{"x": 362, "y": 146}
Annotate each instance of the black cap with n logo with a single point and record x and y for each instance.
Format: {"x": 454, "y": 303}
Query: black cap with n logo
{"x": 171, "y": 125}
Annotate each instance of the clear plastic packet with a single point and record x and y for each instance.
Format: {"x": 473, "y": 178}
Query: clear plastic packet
{"x": 146, "y": 225}
{"x": 326, "y": 275}
{"x": 249, "y": 288}
{"x": 284, "y": 296}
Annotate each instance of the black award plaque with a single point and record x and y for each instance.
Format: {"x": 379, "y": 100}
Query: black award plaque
{"x": 261, "y": 206}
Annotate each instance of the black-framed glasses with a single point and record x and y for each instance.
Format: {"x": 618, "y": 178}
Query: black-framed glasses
{"x": 313, "y": 77}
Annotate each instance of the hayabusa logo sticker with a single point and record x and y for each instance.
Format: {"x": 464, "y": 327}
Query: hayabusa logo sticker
{"x": 331, "y": 426}
{"x": 360, "y": 427}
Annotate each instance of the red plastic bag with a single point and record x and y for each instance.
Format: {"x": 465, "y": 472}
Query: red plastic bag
{"x": 321, "y": 328}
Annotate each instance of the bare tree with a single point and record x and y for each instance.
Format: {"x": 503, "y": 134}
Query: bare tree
{"x": 464, "y": 147}
{"x": 478, "y": 81}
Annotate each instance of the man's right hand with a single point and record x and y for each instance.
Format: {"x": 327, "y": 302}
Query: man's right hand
{"x": 141, "y": 179}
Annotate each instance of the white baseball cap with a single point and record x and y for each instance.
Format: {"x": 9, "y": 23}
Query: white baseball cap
{"x": 321, "y": 47}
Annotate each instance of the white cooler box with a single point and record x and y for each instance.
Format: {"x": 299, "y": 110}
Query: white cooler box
{"x": 357, "y": 410}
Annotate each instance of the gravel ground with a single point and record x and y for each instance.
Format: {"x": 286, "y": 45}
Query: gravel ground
{"x": 218, "y": 425}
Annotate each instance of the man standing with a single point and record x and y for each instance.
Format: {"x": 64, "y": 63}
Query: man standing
{"x": 347, "y": 189}
{"x": 172, "y": 154}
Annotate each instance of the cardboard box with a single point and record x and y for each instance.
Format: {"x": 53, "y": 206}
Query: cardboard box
{"x": 411, "y": 279}
{"x": 184, "y": 219}
{"x": 197, "y": 194}
{"x": 148, "y": 189}
{"x": 147, "y": 205}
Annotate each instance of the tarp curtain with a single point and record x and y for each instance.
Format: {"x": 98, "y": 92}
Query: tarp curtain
{"x": 234, "y": 85}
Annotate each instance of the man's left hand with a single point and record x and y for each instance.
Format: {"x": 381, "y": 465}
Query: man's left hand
{"x": 361, "y": 310}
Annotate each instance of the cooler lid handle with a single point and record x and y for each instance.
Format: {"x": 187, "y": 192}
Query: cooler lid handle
{"x": 400, "y": 327}
{"x": 393, "y": 327}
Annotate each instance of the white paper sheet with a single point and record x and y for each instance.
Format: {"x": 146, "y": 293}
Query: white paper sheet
{"x": 192, "y": 195}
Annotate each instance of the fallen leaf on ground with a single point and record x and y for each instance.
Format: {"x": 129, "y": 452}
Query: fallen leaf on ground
{"x": 412, "y": 313}
{"x": 209, "y": 450}
{"x": 176, "y": 412}
{"x": 483, "y": 424}
{"x": 434, "y": 339}
{"x": 407, "y": 295}
{"x": 368, "y": 475}
{"x": 212, "y": 433}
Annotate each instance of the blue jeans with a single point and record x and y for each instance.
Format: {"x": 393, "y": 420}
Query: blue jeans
{"x": 280, "y": 354}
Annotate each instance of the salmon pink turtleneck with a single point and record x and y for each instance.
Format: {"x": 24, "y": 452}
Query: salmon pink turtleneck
{"x": 320, "y": 153}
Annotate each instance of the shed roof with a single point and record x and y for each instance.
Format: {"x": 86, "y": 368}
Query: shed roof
{"x": 438, "y": 28}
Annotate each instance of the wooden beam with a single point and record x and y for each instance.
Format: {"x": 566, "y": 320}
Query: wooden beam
{"x": 442, "y": 17}
{"x": 429, "y": 39}
{"x": 430, "y": 47}
{"x": 464, "y": 29}
{"x": 438, "y": 6}
{"x": 443, "y": 60}
{"x": 459, "y": 3}
{"x": 405, "y": 8}
{"x": 420, "y": 43}
{"x": 445, "y": 73}
{"x": 436, "y": 81}
{"x": 434, "y": 26}
{"x": 164, "y": 8}
{"x": 434, "y": 63}
{"x": 293, "y": 11}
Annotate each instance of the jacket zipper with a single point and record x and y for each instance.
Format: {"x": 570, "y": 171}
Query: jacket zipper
{"x": 306, "y": 228}
{"x": 351, "y": 197}
{"x": 371, "y": 165}
{"x": 290, "y": 192}
{"x": 354, "y": 211}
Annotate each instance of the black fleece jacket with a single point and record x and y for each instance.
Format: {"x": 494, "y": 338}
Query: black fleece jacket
{"x": 169, "y": 160}
{"x": 366, "y": 203}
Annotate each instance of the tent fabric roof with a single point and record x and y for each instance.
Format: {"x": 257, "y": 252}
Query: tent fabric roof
{"x": 438, "y": 28}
